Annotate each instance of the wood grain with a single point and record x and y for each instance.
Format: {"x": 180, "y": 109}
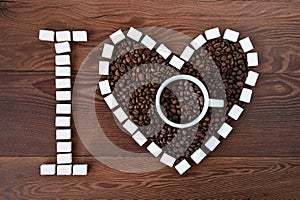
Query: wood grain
{"x": 259, "y": 160}
{"x": 273, "y": 27}
{"x": 215, "y": 178}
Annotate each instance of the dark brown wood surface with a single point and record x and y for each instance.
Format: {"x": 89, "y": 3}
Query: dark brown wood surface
{"x": 260, "y": 158}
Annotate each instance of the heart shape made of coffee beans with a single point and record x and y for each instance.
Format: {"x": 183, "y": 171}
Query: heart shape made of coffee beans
{"x": 221, "y": 63}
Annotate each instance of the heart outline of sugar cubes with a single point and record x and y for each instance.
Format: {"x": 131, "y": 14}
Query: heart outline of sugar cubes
{"x": 177, "y": 62}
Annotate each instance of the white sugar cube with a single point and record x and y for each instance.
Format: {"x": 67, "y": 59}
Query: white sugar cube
{"x": 198, "y": 155}
{"x": 130, "y": 126}
{"x": 246, "y": 44}
{"x": 62, "y": 71}
{"x": 107, "y": 51}
{"x": 139, "y": 138}
{"x": 212, "y": 143}
{"x": 154, "y": 149}
{"x": 79, "y": 36}
{"x": 252, "y": 59}
{"x": 187, "y": 53}
{"x": 64, "y": 158}
{"x": 62, "y": 36}
{"x": 62, "y": 121}
{"x": 246, "y": 95}
{"x": 167, "y": 160}
{"x": 63, "y": 95}
{"x": 65, "y": 170}
{"x": 176, "y": 62}
{"x": 148, "y": 42}
{"x": 47, "y": 169}
{"x": 198, "y": 42}
{"x": 63, "y": 147}
{"x": 103, "y": 68}
{"x": 46, "y": 35}
{"x": 111, "y": 101}
{"x": 216, "y": 103}
{"x": 182, "y": 167}
{"x": 62, "y": 60}
{"x": 63, "y": 134}
{"x": 63, "y": 83}
{"x": 63, "y": 47}
{"x": 134, "y": 34}
{"x": 117, "y": 36}
{"x": 80, "y": 169}
{"x": 235, "y": 112}
{"x": 212, "y": 33}
{"x": 251, "y": 78}
{"x": 224, "y": 130}
{"x": 163, "y": 51}
{"x": 120, "y": 115}
{"x": 63, "y": 108}
{"x": 104, "y": 87}
{"x": 231, "y": 35}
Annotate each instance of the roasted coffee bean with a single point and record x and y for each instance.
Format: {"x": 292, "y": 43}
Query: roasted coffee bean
{"x": 217, "y": 58}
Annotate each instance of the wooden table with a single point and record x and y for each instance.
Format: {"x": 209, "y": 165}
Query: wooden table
{"x": 260, "y": 158}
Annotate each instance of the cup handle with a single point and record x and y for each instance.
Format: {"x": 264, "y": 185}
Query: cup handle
{"x": 216, "y": 103}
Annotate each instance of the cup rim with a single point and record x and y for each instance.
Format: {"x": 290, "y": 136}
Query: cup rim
{"x": 200, "y": 85}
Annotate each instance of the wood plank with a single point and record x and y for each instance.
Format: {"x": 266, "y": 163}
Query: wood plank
{"x": 215, "y": 178}
{"x": 273, "y": 26}
{"x": 269, "y": 127}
